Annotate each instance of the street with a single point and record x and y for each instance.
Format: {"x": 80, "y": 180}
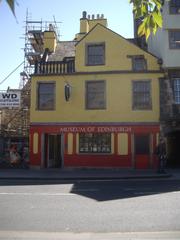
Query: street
{"x": 89, "y": 206}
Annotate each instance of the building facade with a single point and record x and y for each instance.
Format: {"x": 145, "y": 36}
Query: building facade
{"x": 14, "y": 120}
{"x": 94, "y": 101}
{"x": 166, "y": 45}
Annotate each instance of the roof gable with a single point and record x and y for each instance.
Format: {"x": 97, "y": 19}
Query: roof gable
{"x": 101, "y": 27}
{"x": 118, "y": 51}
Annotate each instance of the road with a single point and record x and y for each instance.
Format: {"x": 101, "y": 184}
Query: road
{"x": 89, "y": 207}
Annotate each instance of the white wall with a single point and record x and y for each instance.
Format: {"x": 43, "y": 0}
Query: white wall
{"x": 159, "y": 44}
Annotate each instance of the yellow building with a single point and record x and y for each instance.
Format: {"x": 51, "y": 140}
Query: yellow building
{"x": 94, "y": 101}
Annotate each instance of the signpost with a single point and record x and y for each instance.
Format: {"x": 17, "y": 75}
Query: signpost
{"x": 10, "y": 99}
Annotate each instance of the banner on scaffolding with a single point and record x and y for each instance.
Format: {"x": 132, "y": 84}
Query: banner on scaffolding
{"x": 10, "y": 99}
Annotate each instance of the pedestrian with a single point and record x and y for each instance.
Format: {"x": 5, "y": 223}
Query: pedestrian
{"x": 161, "y": 154}
{"x": 14, "y": 156}
{"x": 25, "y": 158}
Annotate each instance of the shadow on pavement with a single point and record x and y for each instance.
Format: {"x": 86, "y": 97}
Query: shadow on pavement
{"x": 124, "y": 189}
{"x": 107, "y": 190}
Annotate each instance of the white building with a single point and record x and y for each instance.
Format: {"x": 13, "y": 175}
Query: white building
{"x": 165, "y": 44}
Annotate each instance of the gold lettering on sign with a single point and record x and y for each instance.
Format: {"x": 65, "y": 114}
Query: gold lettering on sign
{"x": 90, "y": 129}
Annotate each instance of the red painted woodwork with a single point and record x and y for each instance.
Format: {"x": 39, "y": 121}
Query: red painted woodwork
{"x": 94, "y": 160}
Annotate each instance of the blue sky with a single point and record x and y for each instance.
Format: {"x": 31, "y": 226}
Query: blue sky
{"x": 117, "y": 12}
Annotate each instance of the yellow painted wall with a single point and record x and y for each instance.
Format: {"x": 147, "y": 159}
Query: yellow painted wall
{"x": 116, "y": 51}
{"x": 70, "y": 143}
{"x": 118, "y": 99}
{"x": 35, "y": 143}
{"x": 94, "y": 22}
{"x": 118, "y": 85}
{"x": 49, "y": 40}
{"x": 84, "y": 25}
{"x": 122, "y": 143}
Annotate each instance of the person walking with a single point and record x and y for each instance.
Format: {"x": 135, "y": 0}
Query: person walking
{"x": 14, "y": 156}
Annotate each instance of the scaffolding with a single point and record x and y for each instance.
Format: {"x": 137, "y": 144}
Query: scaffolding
{"x": 33, "y": 49}
{"x": 14, "y": 123}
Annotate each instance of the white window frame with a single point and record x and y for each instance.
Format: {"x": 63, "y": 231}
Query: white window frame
{"x": 174, "y": 7}
{"x": 176, "y": 90}
{"x": 174, "y": 42}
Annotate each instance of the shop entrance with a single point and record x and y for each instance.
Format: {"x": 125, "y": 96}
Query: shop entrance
{"x": 53, "y": 151}
{"x": 142, "y": 151}
{"x": 173, "y": 150}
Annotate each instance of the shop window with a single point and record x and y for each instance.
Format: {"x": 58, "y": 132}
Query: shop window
{"x": 95, "y": 143}
{"x": 46, "y": 96}
{"x": 174, "y": 39}
{"x": 142, "y": 95}
{"x": 142, "y": 144}
{"x": 176, "y": 85}
{"x": 95, "y": 95}
{"x": 174, "y": 7}
{"x": 139, "y": 63}
{"x": 95, "y": 54}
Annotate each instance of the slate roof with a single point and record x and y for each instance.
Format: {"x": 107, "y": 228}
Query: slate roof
{"x": 63, "y": 49}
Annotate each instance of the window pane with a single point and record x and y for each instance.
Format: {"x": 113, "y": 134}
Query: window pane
{"x": 95, "y": 54}
{"x": 174, "y": 39}
{"x": 46, "y": 96}
{"x": 94, "y": 143}
{"x": 139, "y": 63}
{"x": 141, "y": 95}
{"x": 174, "y": 6}
{"x": 95, "y": 95}
{"x": 176, "y": 90}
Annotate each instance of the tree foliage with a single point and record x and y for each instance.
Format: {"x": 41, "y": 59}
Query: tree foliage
{"x": 149, "y": 11}
{"x": 11, "y": 4}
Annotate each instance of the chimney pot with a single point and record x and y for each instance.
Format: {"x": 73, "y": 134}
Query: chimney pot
{"x": 84, "y": 14}
{"x": 102, "y": 16}
{"x": 89, "y": 16}
{"x": 92, "y": 16}
{"x": 98, "y": 16}
{"x": 51, "y": 27}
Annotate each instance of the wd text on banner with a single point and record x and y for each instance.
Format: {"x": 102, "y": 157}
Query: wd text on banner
{"x": 10, "y": 99}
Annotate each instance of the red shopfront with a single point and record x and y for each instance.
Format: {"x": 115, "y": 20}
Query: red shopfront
{"x": 93, "y": 145}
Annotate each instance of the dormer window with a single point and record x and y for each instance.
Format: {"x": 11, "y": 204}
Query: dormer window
{"x": 174, "y": 7}
{"x": 95, "y": 54}
{"x": 139, "y": 63}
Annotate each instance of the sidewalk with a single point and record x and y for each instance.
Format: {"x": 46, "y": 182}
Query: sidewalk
{"x": 84, "y": 174}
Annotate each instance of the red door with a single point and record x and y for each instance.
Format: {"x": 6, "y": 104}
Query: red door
{"x": 142, "y": 151}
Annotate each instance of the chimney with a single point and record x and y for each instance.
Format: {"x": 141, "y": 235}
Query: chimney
{"x": 50, "y": 39}
{"x": 99, "y": 19}
{"x": 84, "y": 26}
{"x": 87, "y": 22}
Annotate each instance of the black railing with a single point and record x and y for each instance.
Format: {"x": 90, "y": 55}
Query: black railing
{"x": 54, "y": 67}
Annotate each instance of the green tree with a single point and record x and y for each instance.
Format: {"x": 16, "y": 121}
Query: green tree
{"x": 149, "y": 11}
{"x": 11, "y": 4}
